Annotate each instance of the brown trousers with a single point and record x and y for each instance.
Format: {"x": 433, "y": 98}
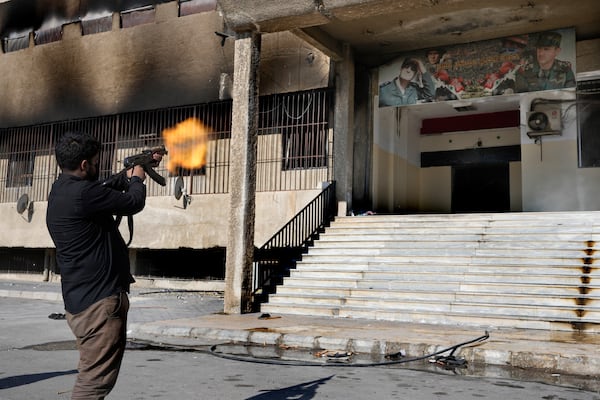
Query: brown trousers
{"x": 101, "y": 331}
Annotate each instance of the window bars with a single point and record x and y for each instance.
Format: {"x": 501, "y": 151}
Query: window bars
{"x": 295, "y": 146}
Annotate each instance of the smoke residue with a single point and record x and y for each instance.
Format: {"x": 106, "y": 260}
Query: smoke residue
{"x": 30, "y": 15}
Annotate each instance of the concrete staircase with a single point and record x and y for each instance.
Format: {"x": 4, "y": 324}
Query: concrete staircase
{"x": 521, "y": 270}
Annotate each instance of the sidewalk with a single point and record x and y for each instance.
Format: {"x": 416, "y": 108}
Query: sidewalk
{"x": 171, "y": 316}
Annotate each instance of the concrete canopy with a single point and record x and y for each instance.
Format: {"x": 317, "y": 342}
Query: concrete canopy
{"x": 378, "y": 30}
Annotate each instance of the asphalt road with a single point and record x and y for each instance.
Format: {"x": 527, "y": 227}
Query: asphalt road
{"x": 38, "y": 361}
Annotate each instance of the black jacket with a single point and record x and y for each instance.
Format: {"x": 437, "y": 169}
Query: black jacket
{"x": 90, "y": 251}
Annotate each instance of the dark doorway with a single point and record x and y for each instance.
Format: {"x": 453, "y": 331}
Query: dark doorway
{"x": 480, "y": 188}
{"x": 182, "y": 263}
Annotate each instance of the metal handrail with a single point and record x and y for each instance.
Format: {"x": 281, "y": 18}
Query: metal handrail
{"x": 280, "y": 253}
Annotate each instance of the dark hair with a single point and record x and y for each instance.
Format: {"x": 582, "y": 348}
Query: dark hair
{"x": 438, "y": 50}
{"x": 410, "y": 63}
{"x": 74, "y": 147}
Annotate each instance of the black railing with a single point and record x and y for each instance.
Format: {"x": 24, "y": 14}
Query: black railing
{"x": 273, "y": 261}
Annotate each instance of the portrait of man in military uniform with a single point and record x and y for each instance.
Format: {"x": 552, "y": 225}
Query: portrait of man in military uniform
{"x": 413, "y": 84}
{"x": 546, "y": 71}
{"x": 433, "y": 59}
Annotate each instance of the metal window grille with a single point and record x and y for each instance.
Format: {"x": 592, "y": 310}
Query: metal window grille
{"x": 48, "y": 35}
{"x": 20, "y": 170}
{"x": 188, "y": 7}
{"x": 138, "y": 16}
{"x": 27, "y": 162}
{"x": 294, "y": 150}
{"x": 22, "y": 260}
{"x": 97, "y": 25}
{"x": 295, "y": 133}
{"x": 15, "y": 43}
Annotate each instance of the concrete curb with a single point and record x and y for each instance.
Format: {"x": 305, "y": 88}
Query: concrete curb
{"x": 23, "y": 294}
{"x": 486, "y": 353}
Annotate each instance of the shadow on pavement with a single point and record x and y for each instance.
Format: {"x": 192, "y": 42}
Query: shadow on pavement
{"x": 304, "y": 391}
{"x": 20, "y": 380}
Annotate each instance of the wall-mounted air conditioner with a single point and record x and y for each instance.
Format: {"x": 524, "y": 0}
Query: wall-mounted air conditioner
{"x": 544, "y": 121}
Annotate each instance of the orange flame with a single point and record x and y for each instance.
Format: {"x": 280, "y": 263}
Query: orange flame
{"x": 186, "y": 143}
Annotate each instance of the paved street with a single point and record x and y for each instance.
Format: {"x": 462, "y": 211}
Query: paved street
{"x": 38, "y": 361}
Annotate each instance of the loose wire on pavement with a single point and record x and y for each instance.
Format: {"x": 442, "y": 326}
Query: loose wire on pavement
{"x": 213, "y": 351}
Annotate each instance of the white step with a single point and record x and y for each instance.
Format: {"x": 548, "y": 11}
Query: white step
{"x": 512, "y": 269}
{"x": 547, "y": 278}
{"x": 576, "y": 231}
{"x": 450, "y": 268}
{"x": 462, "y": 319}
{"x": 557, "y": 312}
{"x": 440, "y": 257}
{"x": 426, "y": 296}
{"x": 387, "y": 242}
{"x": 352, "y": 235}
{"x": 440, "y": 286}
{"x": 467, "y": 250}
{"x": 543, "y": 269}
{"x": 583, "y": 216}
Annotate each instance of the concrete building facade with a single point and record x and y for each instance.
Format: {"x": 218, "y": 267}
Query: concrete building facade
{"x": 160, "y": 55}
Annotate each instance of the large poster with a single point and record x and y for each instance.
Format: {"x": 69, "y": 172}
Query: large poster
{"x": 515, "y": 64}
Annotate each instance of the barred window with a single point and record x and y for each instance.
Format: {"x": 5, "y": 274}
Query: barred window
{"x": 97, "y": 25}
{"x": 48, "y": 35}
{"x": 20, "y": 169}
{"x": 15, "y": 43}
{"x": 188, "y": 7}
{"x": 293, "y": 152}
{"x": 301, "y": 118}
{"x": 139, "y": 16}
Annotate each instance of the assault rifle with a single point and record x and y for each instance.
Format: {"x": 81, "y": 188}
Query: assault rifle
{"x": 145, "y": 159}
{"x": 120, "y": 181}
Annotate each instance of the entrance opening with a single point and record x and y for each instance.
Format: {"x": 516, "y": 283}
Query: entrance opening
{"x": 480, "y": 188}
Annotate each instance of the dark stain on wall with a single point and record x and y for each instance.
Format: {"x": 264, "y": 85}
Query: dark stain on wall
{"x": 19, "y": 15}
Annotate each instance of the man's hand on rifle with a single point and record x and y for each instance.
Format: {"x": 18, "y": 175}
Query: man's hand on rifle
{"x": 157, "y": 156}
{"x": 138, "y": 171}
{"x": 139, "y": 165}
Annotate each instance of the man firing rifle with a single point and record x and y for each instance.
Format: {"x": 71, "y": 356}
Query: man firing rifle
{"x": 147, "y": 159}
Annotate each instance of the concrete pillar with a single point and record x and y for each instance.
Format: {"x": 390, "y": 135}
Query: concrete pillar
{"x": 242, "y": 175}
{"x": 343, "y": 145}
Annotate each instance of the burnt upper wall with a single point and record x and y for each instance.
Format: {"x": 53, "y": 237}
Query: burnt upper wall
{"x": 177, "y": 61}
{"x": 170, "y": 62}
{"x": 19, "y": 15}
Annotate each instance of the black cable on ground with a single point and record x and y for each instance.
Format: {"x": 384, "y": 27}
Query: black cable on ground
{"x": 337, "y": 364}
{"x": 171, "y": 291}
